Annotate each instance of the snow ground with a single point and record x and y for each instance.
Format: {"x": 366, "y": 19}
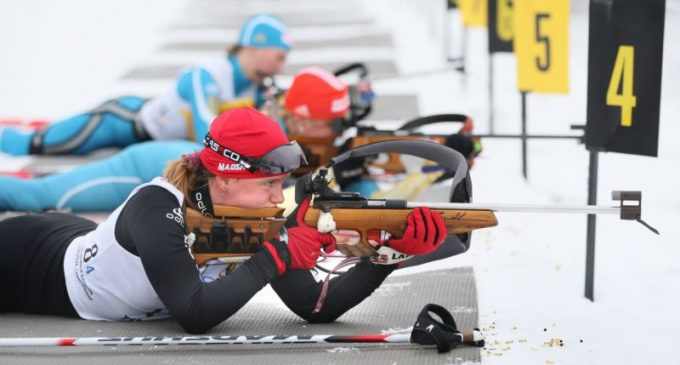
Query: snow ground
{"x": 60, "y": 57}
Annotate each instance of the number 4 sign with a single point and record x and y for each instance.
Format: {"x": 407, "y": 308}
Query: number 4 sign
{"x": 624, "y": 75}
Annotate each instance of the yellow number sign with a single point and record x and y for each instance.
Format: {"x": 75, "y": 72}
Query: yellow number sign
{"x": 474, "y": 12}
{"x": 542, "y": 45}
{"x": 622, "y": 76}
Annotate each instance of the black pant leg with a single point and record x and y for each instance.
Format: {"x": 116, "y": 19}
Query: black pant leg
{"x": 33, "y": 249}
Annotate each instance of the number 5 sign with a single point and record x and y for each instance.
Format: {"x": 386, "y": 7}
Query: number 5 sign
{"x": 542, "y": 45}
{"x": 624, "y": 75}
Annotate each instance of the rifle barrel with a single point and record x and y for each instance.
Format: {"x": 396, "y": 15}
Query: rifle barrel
{"x": 521, "y": 208}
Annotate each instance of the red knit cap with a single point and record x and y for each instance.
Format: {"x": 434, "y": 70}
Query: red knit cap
{"x": 246, "y": 132}
{"x": 317, "y": 94}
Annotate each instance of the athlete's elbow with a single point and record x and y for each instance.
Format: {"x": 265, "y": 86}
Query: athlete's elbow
{"x": 321, "y": 317}
{"x": 195, "y": 327}
{"x": 193, "y": 322}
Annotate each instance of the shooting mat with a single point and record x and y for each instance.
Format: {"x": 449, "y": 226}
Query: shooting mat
{"x": 393, "y": 307}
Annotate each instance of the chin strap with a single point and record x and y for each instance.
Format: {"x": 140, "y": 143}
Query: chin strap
{"x": 201, "y": 199}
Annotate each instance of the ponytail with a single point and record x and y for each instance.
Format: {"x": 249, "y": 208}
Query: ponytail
{"x": 187, "y": 173}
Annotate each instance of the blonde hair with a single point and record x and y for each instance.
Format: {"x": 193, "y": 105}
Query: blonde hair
{"x": 187, "y": 173}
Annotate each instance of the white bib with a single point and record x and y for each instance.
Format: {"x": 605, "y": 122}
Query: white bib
{"x": 106, "y": 282}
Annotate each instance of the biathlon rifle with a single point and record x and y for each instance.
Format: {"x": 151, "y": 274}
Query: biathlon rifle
{"x": 331, "y": 210}
{"x": 234, "y": 234}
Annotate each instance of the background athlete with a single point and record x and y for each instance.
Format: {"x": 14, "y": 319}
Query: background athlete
{"x": 183, "y": 112}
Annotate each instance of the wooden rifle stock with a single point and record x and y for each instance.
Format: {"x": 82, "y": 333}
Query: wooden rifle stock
{"x": 394, "y": 221}
{"x": 233, "y": 234}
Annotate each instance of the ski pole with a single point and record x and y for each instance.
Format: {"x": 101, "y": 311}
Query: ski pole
{"x": 426, "y": 331}
{"x": 466, "y": 338}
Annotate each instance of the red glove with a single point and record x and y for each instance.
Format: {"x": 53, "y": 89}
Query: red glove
{"x": 302, "y": 244}
{"x": 425, "y": 231}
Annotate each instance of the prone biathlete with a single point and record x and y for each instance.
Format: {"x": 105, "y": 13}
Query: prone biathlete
{"x": 62, "y": 264}
{"x": 183, "y": 112}
{"x": 316, "y": 111}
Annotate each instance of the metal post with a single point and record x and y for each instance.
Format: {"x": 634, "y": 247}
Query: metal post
{"x": 491, "y": 123}
{"x": 524, "y": 135}
{"x": 590, "y": 233}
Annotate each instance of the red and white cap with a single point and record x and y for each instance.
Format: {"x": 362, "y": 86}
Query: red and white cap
{"x": 244, "y": 143}
{"x": 317, "y": 94}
